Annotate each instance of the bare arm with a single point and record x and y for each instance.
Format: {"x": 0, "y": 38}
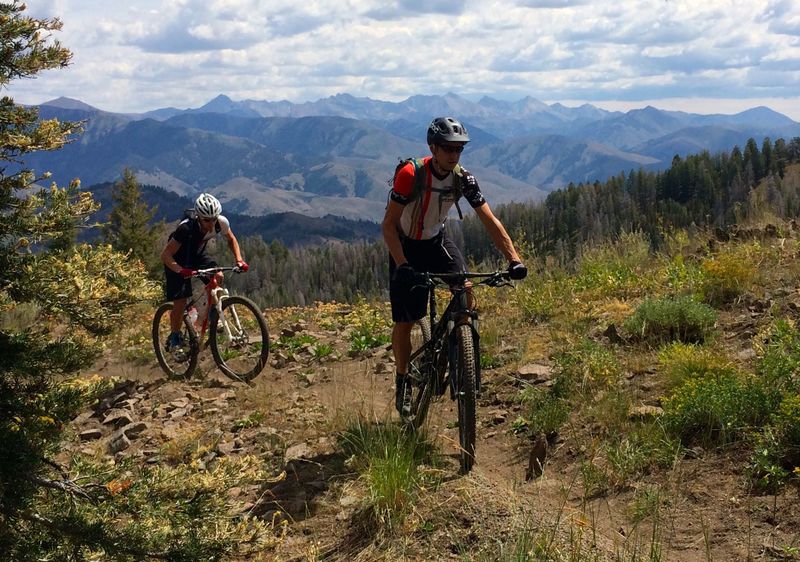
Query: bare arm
{"x": 391, "y": 231}
{"x": 168, "y": 253}
{"x": 233, "y": 244}
{"x": 497, "y": 232}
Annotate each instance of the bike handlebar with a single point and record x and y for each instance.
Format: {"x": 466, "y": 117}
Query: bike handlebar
{"x": 499, "y": 278}
{"x": 213, "y": 270}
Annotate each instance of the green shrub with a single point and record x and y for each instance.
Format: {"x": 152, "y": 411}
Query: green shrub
{"x": 614, "y": 268}
{"x": 719, "y": 410}
{"x": 541, "y": 299}
{"x": 642, "y": 446}
{"x": 681, "y": 362}
{"x": 295, "y": 343}
{"x": 779, "y": 360}
{"x": 587, "y": 365}
{"x": 369, "y": 327}
{"x": 544, "y": 410}
{"x": 730, "y": 273}
{"x": 681, "y": 276}
{"x": 766, "y": 469}
{"x": 777, "y": 450}
{"x": 667, "y": 319}
{"x": 389, "y": 457}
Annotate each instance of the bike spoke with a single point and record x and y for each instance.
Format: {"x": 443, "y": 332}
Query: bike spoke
{"x": 179, "y": 361}
{"x": 239, "y": 339}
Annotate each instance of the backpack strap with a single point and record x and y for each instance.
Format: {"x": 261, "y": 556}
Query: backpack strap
{"x": 458, "y": 182}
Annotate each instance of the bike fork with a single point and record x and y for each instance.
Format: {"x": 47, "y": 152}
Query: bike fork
{"x": 455, "y": 380}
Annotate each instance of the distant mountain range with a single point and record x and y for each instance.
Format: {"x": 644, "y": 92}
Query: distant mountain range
{"x": 335, "y": 156}
{"x": 291, "y": 228}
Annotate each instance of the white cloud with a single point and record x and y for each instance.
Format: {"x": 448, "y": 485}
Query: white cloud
{"x": 145, "y": 54}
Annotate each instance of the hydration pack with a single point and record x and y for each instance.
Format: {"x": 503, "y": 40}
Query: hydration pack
{"x": 421, "y": 177}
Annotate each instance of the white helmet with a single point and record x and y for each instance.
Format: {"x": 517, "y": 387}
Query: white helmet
{"x": 207, "y": 206}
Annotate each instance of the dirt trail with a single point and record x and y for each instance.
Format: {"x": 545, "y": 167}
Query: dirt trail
{"x": 297, "y": 408}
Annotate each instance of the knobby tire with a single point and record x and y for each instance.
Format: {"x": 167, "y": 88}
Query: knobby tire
{"x": 421, "y": 368}
{"x": 244, "y": 357}
{"x": 182, "y": 367}
{"x": 466, "y": 396}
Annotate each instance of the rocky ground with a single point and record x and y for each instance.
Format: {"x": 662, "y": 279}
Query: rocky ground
{"x": 290, "y": 417}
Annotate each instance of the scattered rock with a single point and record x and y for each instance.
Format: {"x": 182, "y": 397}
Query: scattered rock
{"x": 613, "y": 335}
{"x": 746, "y": 354}
{"x": 645, "y": 412}
{"x": 299, "y": 451}
{"x": 119, "y": 442}
{"x": 133, "y": 430}
{"x": 118, "y": 418}
{"x": 537, "y": 458}
{"x": 535, "y": 373}
{"x": 90, "y": 435}
{"x": 227, "y": 448}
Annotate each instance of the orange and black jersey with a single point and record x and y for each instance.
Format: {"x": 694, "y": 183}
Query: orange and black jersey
{"x": 423, "y": 217}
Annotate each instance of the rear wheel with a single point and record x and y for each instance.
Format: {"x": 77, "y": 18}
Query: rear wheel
{"x": 239, "y": 339}
{"x": 466, "y": 396}
{"x": 180, "y": 362}
{"x": 421, "y": 371}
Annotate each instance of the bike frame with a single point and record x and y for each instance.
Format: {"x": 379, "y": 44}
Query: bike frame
{"x": 215, "y": 294}
{"x": 456, "y": 313}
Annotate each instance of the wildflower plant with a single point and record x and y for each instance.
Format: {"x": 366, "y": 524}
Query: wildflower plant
{"x": 668, "y": 319}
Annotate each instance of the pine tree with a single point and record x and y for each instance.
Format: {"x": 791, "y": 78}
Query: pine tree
{"x": 57, "y": 302}
{"x": 128, "y": 229}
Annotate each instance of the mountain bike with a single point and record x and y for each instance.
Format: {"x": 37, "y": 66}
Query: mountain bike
{"x": 447, "y": 354}
{"x": 237, "y": 332}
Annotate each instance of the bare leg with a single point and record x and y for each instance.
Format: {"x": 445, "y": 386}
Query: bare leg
{"x": 401, "y": 345}
{"x": 176, "y": 314}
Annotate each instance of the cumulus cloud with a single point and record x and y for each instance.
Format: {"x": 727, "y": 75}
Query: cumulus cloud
{"x": 143, "y": 53}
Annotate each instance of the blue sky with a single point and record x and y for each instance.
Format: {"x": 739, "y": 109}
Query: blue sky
{"x": 714, "y": 56}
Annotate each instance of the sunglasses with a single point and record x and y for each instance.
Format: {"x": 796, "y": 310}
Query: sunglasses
{"x": 457, "y": 149}
{"x": 205, "y": 219}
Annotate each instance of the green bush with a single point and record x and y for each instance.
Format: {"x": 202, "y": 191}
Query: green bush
{"x": 544, "y": 410}
{"x": 719, "y": 410}
{"x": 614, "y": 268}
{"x": 542, "y": 299}
{"x": 681, "y": 276}
{"x": 681, "y": 362}
{"x": 779, "y": 360}
{"x": 668, "y": 319}
{"x": 389, "y": 457}
{"x": 587, "y": 365}
{"x": 730, "y": 273}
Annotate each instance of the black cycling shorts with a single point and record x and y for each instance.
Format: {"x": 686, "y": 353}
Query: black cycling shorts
{"x": 436, "y": 255}
{"x": 176, "y": 286}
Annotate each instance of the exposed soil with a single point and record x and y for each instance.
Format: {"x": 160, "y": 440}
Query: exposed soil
{"x": 705, "y": 512}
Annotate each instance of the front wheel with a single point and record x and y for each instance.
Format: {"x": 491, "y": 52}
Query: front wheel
{"x": 239, "y": 339}
{"x": 466, "y": 396}
{"x": 178, "y": 362}
{"x": 420, "y": 370}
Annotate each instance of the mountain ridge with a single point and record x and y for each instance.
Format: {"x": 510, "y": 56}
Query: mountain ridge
{"x": 338, "y": 152}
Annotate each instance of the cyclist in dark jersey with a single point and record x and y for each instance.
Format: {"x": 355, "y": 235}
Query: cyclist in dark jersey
{"x": 185, "y": 252}
{"x": 413, "y": 229}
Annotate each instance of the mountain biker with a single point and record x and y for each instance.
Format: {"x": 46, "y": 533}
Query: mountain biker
{"x": 186, "y": 251}
{"x": 413, "y": 229}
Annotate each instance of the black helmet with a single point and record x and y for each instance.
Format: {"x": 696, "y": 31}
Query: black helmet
{"x": 446, "y": 129}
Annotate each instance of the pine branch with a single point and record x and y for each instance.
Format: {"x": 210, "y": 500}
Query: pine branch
{"x": 67, "y": 486}
{"x": 109, "y": 544}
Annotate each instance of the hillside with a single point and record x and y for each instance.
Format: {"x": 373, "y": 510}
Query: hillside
{"x": 334, "y": 156}
{"x": 289, "y": 227}
{"x": 653, "y": 448}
